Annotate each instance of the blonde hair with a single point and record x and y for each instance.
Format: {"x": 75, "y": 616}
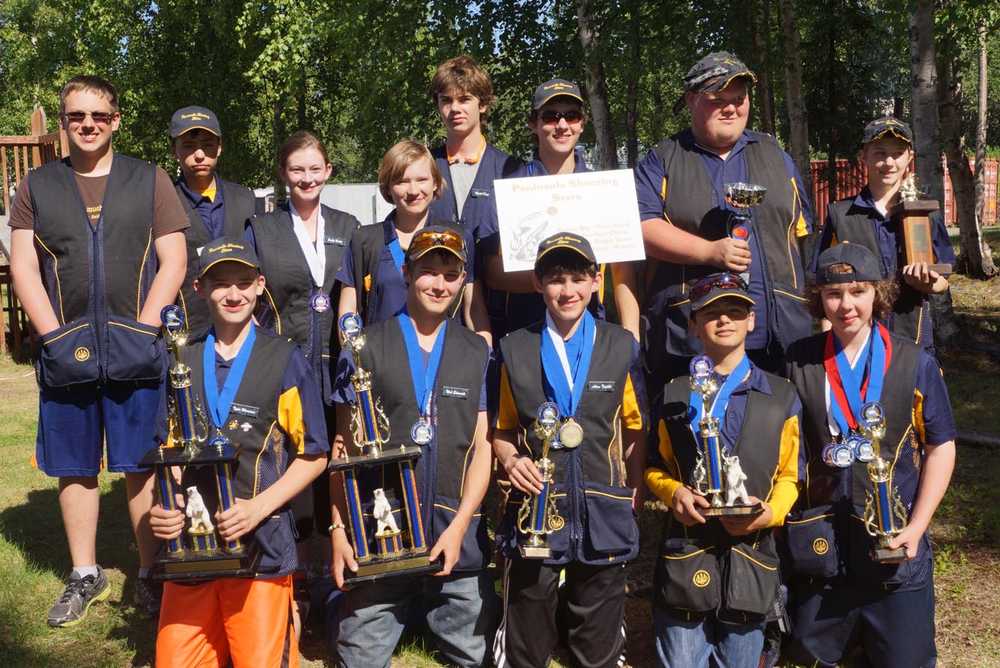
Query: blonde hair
{"x": 396, "y": 161}
{"x": 91, "y": 83}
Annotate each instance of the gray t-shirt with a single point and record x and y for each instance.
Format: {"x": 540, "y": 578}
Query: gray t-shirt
{"x": 462, "y": 176}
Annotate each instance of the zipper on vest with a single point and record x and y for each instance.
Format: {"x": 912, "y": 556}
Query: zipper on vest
{"x": 575, "y": 492}
{"x": 98, "y": 297}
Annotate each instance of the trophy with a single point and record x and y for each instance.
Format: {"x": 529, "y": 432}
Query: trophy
{"x": 913, "y": 213}
{"x": 537, "y": 516}
{"x": 393, "y": 550}
{"x": 885, "y": 514}
{"x": 199, "y": 552}
{"x": 742, "y": 197}
{"x": 717, "y": 476}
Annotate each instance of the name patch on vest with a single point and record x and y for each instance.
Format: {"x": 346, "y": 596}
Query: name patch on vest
{"x": 455, "y": 392}
{"x": 243, "y": 409}
{"x": 335, "y": 241}
{"x": 600, "y": 386}
{"x": 479, "y": 193}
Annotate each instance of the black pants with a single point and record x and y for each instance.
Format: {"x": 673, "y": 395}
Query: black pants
{"x": 594, "y": 615}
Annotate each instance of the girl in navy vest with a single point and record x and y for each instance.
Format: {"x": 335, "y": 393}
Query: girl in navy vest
{"x": 842, "y": 599}
{"x": 372, "y": 275}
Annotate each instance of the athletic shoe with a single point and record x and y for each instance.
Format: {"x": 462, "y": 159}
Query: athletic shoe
{"x": 77, "y": 598}
{"x": 148, "y": 596}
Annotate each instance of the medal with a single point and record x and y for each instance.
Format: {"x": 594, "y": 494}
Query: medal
{"x": 320, "y": 302}
{"x": 838, "y": 455}
{"x": 863, "y": 450}
{"x": 570, "y": 434}
{"x": 422, "y": 432}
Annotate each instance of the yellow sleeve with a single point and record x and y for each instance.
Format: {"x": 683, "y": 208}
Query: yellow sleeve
{"x": 631, "y": 413}
{"x": 661, "y": 482}
{"x": 507, "y": 415}
{"x": 786, "y": 489}
{"x": 801, "y": 226}
{"x": 290, "y": 418}
{"x": 918, "y": 416}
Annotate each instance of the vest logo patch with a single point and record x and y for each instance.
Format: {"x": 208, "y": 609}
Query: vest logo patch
{"x": 475, "y": 192}
{"x": 701, "y": 578}
{"x": 243, "y": 409}
{"x": 601, "y": 386}
{"x": 455, "y": 392}
{"x": 81, "y": 354}
{"x": 820, "y": 546}
{"x": 335, "y": 241}
{"x": 233, "y": 424}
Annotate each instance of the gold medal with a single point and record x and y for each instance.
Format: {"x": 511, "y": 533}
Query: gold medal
{"x": 570, "y": 434}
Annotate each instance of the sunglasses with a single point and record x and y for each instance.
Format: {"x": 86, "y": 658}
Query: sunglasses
{"x": 423, "y": 242}
{"x": 724, "y": 281}
{"x": 550, "y": 117}
{"x": 99, "y": 117}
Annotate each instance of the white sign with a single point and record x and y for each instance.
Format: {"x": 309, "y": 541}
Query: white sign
{"x": 600, "y": 206}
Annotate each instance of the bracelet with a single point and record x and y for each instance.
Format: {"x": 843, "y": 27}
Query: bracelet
{"x": 337, "y": 525}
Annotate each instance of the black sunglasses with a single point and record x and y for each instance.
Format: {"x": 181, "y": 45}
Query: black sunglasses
{"x": 99, "y": 117}
{"x": 724, "y": 281}
{"x": 550, "y": 117}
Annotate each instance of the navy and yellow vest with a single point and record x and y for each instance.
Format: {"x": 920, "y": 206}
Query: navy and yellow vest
{"x": 590, "y": 490}
{"x": 442, "y": 467}
{"x": 689, "y": 205}
{"x": 252, "y": 425}
{"x": 289, "y": 286}
{"x": 97, "y": 276}
{"x": 238, "y": 208}
{"x": 911, "y": 313}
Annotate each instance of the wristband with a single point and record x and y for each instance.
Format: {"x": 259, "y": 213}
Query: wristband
{"x": 337, "y": 525}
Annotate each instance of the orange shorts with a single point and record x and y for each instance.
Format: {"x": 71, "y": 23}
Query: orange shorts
{"x": 246, "y": 620}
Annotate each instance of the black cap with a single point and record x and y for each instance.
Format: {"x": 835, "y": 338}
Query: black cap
{"x": 568, "y": 241}
{"x": 714, "y": 287}
{"x": 436, "y": 237}
{"x": 227, "y": 249}
{"x": 186, "y": 119}
{"x": 888, "y": 125}
{"x": 554, "y": 88}
{"x": 865, "y": 266}
{"x": 713, "y": 73}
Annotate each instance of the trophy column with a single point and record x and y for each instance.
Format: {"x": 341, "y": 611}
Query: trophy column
{"x": 885, "y": 514}
{"x": 537, "y": 516}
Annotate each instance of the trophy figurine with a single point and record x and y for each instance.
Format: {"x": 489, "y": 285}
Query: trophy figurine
{"x": 913, "y": 215}
{"x": 717, "y": 476}
{"x": 388, "y": 554}
{"x": 742, "y": 197}
{"x": 885, "y": 514}
{"x": 537, "y": 516}
{"x": 205, "y": 465}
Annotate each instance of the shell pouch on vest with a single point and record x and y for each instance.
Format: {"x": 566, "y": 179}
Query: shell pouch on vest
{"x": 812, "y": 542}
{"x": 68, "y": 355}
{"x": 611, "y": 526}
{"x": 752, "y": 577}
{"x": 475, "y": 543}
{"x": 135, "y": 350}
{"x": 275, "y": 538}
{"x": 865, "y": 571}
{"x": 690, "y": 579}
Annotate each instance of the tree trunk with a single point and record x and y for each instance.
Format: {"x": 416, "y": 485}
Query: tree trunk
{"x": 981, "y": 120}
{"x": 759, "y": 26}
{"x": 597, "y": 88}
{"x": 632, "y": 88}
{"x": 798, "y": 137}
{"x": 925, "y": 110}
{"x": 974, "y": 260}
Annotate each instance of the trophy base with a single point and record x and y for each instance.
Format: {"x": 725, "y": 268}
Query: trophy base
{"x": 885, "y": 555}
{"x": 389, "y": 455}
{"x": 534, "y": 551}
{"x": 732, "y": 511}
{"x": 378, "y": 569}
{"x": 205, "y": 565}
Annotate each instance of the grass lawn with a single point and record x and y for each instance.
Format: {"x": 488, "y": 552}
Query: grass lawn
{"x": 33, "y": 558}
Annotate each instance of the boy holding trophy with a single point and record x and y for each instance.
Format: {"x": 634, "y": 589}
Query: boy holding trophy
{"x": 569, "y": 436}
{"x": 728, "y": 449}
{"x": 879, "y": 452}
{"x": 260, "y": 395}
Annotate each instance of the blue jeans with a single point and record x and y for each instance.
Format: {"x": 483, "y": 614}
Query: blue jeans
{"x": 693, "y": 644}
{"x": 461, "y": 614}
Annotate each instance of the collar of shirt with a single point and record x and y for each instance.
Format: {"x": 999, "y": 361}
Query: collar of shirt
{"x": 755, "y": 381}
{"x": 197, "y": 197}
{"x": 454, "y": 159}
{"x": 865, "y": 200}
{"x": 389, "y": 229}
{"x": 315, "y": 253}
{"x": 687, "y": 137}
{"x": 537, "y": 168}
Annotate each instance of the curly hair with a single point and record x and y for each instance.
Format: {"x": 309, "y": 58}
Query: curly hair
{"x": 886, "y": 292}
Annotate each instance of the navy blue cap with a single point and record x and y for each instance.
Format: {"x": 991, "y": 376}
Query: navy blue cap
{"x": 713, "y": 73}
{"x": 186, "y": 119}
{"x": 888, "y": 125}
{"x": 554, "y": 88}
{"x": 567, "y": 241}
{"x": 864, "y": 265}
{"x": 227, "y": 249}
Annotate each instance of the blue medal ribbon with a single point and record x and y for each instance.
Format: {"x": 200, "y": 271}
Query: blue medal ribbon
{"x": 718, "y": 409}
{"x": 871, "y": 365}
{"x": 398, "y": 256}
{"x": 423, "y": 377}
{"x": 219, "y": 403}
{"x": 556, "y": 384}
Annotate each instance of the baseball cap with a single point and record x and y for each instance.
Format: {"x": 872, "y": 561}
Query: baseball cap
{"x": 554, "y": 88}
{"x": 887, "y": 125}
{"x": 864, "y": 265}
{"x": 186, "y": 119}
{"x": 718, "y": 286}
{"x": 436, "y": 237}
{"x": 713, "y": 73}
{"x": 568, "y": 241}
{"x": 227, "y": 249}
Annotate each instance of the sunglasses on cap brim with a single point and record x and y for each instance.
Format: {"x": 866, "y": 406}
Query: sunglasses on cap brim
{"x": 717, "y": 282}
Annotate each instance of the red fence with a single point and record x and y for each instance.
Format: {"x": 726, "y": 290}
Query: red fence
{"x": 851, "y": 178}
